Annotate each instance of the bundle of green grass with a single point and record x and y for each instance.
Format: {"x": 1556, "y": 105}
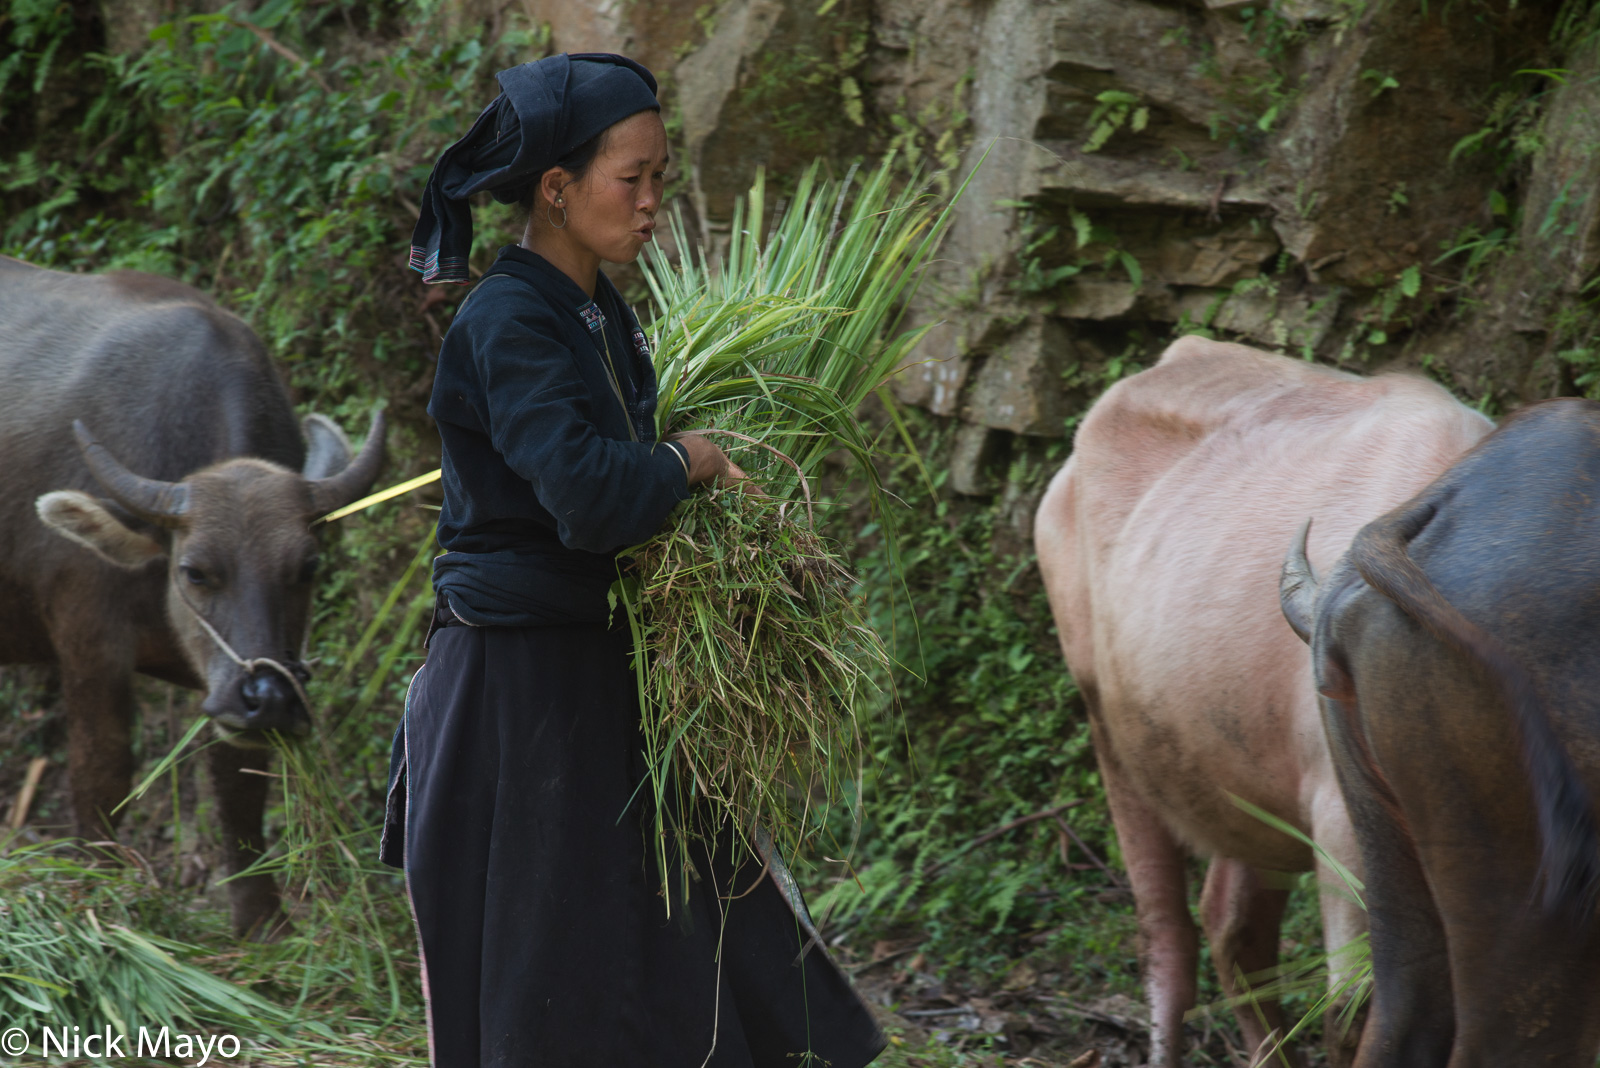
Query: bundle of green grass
{"x": 754, "y": 659}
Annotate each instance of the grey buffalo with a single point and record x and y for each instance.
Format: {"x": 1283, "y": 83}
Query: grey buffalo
{"x": 156, "y": 514}
{"x": 1455, "y": 653}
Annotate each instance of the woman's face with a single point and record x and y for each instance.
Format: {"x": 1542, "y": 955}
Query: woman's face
{"x": 611, "y": 211}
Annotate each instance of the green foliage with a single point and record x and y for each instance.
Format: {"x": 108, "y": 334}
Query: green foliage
{"x": 1254, "y": 102}
{"x": 1379, "y": 82}
{"x": 934, "y": 135}
{"x": 259, "y": 162}
{"x": 34, "y": 30}
{"x": 800, "y": 90}
{"x": 1045, "y": 259}
{"x": 992, "y": 731}
{"x": 1475, "y": 249}
{"x": 1394, "y": 306}
{"x": 1510, "y": 130}
{"x": 1113, "y": 110}
{"x": 1036, "y": 241}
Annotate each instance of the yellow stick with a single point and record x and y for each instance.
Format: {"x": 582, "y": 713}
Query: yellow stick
{"x": 381, "y": 496}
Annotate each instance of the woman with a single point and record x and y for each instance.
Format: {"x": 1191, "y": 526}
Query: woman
{"x": 544, "y": 939}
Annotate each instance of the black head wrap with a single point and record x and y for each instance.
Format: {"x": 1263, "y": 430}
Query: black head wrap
{"x": 544, "y": 111}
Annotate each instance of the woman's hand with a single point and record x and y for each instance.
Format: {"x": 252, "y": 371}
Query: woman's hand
{"x": 707, "y": 463}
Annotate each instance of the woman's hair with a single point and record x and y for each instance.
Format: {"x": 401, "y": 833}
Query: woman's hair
{"x": 575, "y": 163}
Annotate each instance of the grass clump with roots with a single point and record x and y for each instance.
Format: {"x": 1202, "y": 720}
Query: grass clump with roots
{"x": 754, "y": 654}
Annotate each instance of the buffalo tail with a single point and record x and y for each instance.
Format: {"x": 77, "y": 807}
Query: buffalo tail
{"x": 1570, "y": 843}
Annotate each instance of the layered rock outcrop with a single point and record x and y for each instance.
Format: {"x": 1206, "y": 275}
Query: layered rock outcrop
{"x": 1374, "y": 182}
{"x": 1292, "y": 174}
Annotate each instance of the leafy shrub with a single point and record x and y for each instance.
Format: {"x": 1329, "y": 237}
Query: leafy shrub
{"x": 989, "y": 730}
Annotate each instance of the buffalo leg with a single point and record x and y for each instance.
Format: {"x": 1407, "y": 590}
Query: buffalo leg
{"x": 241, "y": 799}
{"x": 98, "y": 698}
{"x": 1526, "y": 990}
{"x": 1242, "y": 918}
{"x": 1169, "y": 943}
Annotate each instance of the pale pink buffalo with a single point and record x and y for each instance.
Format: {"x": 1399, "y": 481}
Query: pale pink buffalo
{"x": 1161, "y": 542}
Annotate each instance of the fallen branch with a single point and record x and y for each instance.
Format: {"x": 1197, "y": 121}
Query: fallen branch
{"x": 24, "y": 801}
{"x": 1132, "y": 1027}
{"x": 1116, "y": 880}
{"x": 857, "y": 969}
{"x": 1005, "y": 828}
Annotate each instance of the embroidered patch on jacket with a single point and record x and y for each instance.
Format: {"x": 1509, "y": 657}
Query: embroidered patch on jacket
{"x": 593, "y": 318}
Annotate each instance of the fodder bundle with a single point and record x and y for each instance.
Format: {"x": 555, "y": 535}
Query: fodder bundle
{"x": 754, "y": 658}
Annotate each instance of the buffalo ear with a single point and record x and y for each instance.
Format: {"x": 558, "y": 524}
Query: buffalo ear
{"x": 328, "y": 451}
{"x": 85, "y": 520}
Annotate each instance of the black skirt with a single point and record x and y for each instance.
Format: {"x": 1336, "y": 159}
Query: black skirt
{"x": 545, "y": 941}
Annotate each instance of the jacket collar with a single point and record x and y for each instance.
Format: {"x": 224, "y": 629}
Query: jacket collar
{"x": 562, "y": 292}
{"x": 543, "y": 276}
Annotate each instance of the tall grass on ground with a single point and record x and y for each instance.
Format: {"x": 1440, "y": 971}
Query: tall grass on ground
{"x": 79, "y": 945}
{"x": 89, "y": 945}
{"x": 754, "y": 658}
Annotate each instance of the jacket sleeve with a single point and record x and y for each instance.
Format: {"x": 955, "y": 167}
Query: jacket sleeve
{"x": 603, "y": 493}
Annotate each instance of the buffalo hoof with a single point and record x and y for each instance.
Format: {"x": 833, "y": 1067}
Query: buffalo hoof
{"x": 268, "y": 928}
{"x": 1343, "y": 1039}
{"x": 256, "y": 910}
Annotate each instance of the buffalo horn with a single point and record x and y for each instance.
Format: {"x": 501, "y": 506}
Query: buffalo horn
{"x": 349, "y": 485}
{"x": 1297, "y": 588}
{"x": 149, "y": 498}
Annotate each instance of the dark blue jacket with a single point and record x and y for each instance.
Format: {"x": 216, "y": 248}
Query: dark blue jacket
{"x": 543, "y": 480}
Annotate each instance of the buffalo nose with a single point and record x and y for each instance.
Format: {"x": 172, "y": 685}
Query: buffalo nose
{"x": 271, "y": 703}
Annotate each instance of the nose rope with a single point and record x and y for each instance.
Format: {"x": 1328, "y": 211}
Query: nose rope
{"x": 250, "y": 665}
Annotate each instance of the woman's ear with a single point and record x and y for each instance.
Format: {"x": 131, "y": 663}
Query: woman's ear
{"x": 551, "y": 186}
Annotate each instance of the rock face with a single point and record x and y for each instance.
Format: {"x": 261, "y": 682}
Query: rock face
{"x": 1291, "y": 174}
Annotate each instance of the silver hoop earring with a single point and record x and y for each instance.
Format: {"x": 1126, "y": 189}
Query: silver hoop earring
{"x": 551, "y": 220}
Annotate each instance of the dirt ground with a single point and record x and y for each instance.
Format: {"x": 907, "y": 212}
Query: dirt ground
{"x": 1035, "y": 1019}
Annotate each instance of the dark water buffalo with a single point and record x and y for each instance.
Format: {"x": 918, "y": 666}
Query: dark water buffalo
{"x": 1160, "y": 543}
{"x": 1457, "y": 649}
{"x": 172, "y": 522}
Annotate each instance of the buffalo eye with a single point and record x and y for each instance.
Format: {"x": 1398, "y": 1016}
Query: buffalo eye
{"x": 308, "y": 570}
{"x": 194, "y": 575}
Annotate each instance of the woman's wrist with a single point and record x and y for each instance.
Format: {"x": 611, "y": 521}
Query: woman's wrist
{"x": 682, "y": 453}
